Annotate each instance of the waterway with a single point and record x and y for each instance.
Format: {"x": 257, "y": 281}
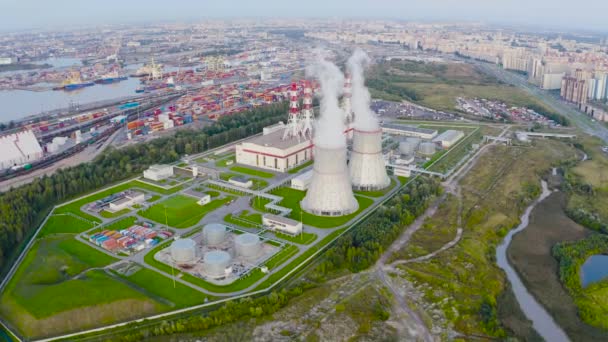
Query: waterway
{"x": 594, "y": 269}
{"x": 542, "y": 322}
{"x": 17, "y": 104}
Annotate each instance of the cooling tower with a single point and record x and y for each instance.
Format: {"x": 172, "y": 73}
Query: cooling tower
{"x": 367, "y": 168}
{"x": 330, "y": 192}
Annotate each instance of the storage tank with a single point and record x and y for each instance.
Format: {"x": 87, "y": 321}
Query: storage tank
{"x": 247, "y": 245}
{"x": 367, "y": 168}
{"x": 330, "y": 192}
{"x": 215, "y": 263}
{"x": 214, "y": 233}
{"x": 409, "y": 146}
{"x": 427, "y": 148}
{"x": 183, "y": 251}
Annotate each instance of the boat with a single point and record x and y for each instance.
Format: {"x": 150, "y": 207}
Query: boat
{"x": 151, "y": 71}
{"x": 74, "y": 82}
{"x": 110, "y": 78}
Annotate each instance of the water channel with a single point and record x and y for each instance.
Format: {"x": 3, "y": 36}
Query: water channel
{"x": 542, "y": 322}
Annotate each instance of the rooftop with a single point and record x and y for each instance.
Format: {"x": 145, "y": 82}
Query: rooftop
{"x": 281, "y": 219}
{"x": 275, "y": 139}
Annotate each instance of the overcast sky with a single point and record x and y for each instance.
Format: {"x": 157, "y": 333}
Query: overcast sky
{"x": 566, "y": 14}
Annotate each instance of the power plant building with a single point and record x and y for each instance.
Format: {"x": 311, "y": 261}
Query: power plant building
{"x": 410, "y": 131}
{"x": 272, "y": 152}
{"x": 282, "y": 224}
{"x": 367, "y": 167}
{"x": 18, "y": 149}
{"x": 330, "y": 192}
{"x": 448, "y": 138}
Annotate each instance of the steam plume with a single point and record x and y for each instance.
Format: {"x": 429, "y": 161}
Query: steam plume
{"x": 329, "y": 128}
{"x": 365, "y": 118}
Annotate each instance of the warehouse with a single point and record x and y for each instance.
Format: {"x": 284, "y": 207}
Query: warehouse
{"x": 302, "y": 181}
{"x": 18, "y": 149}
{"x": 129, "y": 199}
{"x": 410, "y": 131}
{"x": 272, "y": 152}
{"x": 448, "y": 138}
{"x": 282, "y": 224}
{"x": 158, "y": 172}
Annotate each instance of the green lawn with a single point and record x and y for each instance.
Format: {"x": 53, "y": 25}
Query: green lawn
{"x": 279, "y": 258}
{"x": 75, "y": 206}
{"x": 108, "y": 214}
{"x": 224, "y": 161}
{"x": 378, "y": 193}
{"x": 292, "y": 198}
{"x": 245, "y": 219}
{"x": 123, "y": 223}
{"x": 154, "y": 198}
{"x": 303, "y": 166}
{"x": 43, "y": 284}
{"x": 181, "y": 295}
{"x": 63, "y": 224}
{"x": 181, "y": 211}
{"x": 304, "y": 238}
{"x": 212, "y": 193}
{"x": 251, "y": 172}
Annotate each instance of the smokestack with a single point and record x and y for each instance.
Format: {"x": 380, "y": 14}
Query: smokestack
{"x": 308, "y": 117}
{"x": 330, "y": 192}
{"x": 293, "y": 123}
{"x": 367, "y": 167}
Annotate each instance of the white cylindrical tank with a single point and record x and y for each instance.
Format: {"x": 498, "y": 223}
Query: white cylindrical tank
{"x": 427, "y": 148}
{"x": 215, "y": 263}
{"x": 407, "y": 147}
{"x": 330, "y": 192}
{"x": 367, "y": 167}
{"x": 214, "y": 233}
{"x": 183, "y": 251}
{"x": 247, "y": 245}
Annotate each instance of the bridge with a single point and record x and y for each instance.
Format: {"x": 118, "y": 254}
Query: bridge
{"x": 487, "y": 138}
{"x": 546, "y": 135}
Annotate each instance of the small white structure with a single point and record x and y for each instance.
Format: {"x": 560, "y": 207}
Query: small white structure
{"x": 216, "y": 264}
{"x": 130, "y": 198}
{"x": 158, "y": 172}
{"x": 214, "y": 233}
{"x": 183, "y": 251}
{"x": 241, "y": 181}
{"x": 247, "y": 245}
{"x": 448, "y": 138}
{"x": 282, "y": 224}
{"x": 18, "y": 149}
{"x": 402, "y": 171}
{"x": 409, "y": 131}
{"x": 302, "y": 181}
{"x": 206, "y": 198}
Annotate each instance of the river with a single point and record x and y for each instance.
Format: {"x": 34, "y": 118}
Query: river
{"x": 542, "y": 322}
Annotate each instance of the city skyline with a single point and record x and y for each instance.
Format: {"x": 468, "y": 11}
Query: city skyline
{"x": 581, "y": 15}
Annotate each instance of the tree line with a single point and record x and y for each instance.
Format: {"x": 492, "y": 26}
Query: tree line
{"x": 22, "y": 209}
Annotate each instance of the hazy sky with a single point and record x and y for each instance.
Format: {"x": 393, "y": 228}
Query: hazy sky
{"x": 583, "y": 14}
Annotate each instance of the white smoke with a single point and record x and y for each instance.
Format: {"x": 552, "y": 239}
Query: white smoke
{"x": 329, "y": 127}
{"x": 365, "y": 118}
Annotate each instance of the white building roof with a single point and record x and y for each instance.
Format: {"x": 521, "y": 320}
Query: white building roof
{"x": 19, "y": 148}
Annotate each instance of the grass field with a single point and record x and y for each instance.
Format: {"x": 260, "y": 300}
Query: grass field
{"x": 281, "y": 257}
{"x": 245, "y": 219}
{"x": 74, "y": 207}
{"x": 181, "y": 295}
{"x": 181, "y": 211}
{"x": 292, "y": 198}
{"x": 495, "y": 192}
{"x": 304, "y": 238}
{"x": 299, "y": 168}
{"x": 251, "y": 172}
{"x": 59, "y": 224}
{"x": 223, "y": 162}
{"x": 107, "y": 214}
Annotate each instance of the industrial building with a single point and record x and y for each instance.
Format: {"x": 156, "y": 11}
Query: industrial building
{"x": 272, "y": 152}
{"x": 158, "y": 172}
{"x": 302, "y": 181}
{"x": 410, "y": 131}
{"x": 282, "y": 224}
{"x": 448, "y": 138}
{"x": 18, "y": 149}
{"x": 241, "y": 181}
{"x": 129, "y": 199}
{"x": 330, "y": 192}
{"x": 367, "y": 167}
